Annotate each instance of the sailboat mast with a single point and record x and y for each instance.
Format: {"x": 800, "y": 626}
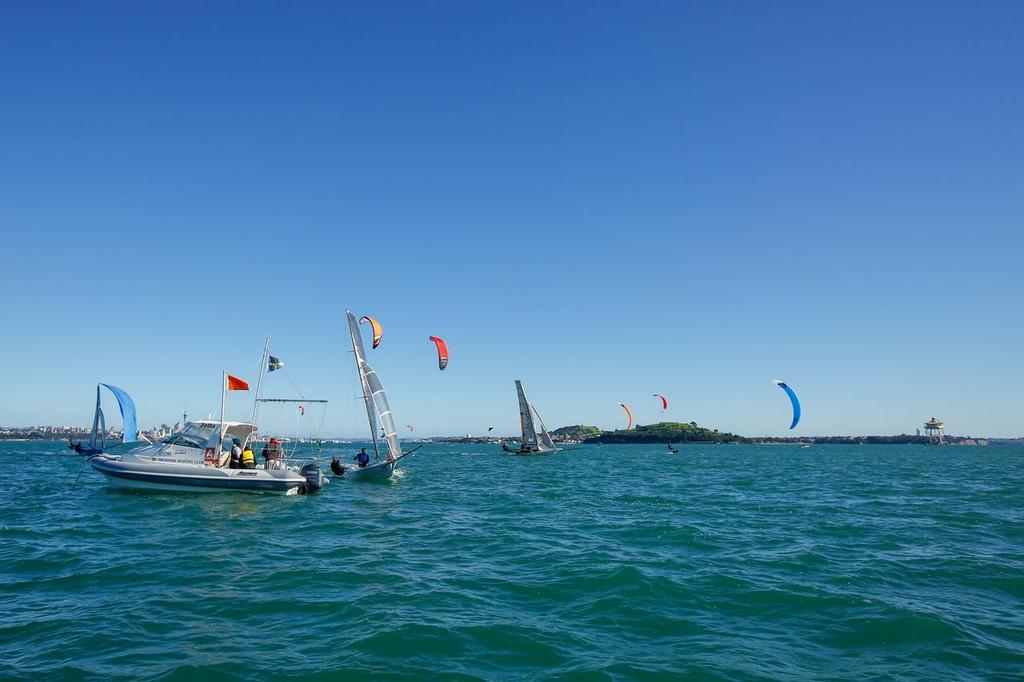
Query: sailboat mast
{"x": 259, "y": 382}
{"x": 95, "y": 419}
{"x": 357, "y": 351}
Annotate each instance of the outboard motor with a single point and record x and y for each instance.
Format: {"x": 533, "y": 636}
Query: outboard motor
{"x": 314, "y": 477}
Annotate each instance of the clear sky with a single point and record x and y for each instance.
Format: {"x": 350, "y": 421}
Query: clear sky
{"x": 607, "y": 200}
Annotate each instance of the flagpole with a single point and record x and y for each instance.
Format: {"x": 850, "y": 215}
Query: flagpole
{"x": 223, "y": 397}
{"x": 259, "y": 382}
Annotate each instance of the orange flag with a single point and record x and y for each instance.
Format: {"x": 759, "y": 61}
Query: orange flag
{"x": 236, "y": 384}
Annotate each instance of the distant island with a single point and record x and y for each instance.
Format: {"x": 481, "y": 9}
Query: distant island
{"x": 662, "y": 432}
{"x": 679, "y": 432}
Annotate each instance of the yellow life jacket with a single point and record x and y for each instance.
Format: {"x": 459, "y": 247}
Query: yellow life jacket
{"x": 248, "y": 457}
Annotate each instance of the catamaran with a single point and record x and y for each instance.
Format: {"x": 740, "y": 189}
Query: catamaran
{"x": 196, "y": 458}
{"x": 377, "y": 412}
{"x": 534, "y": 440}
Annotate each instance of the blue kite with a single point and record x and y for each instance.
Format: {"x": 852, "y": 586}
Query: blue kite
{"x": 792, "y": 398}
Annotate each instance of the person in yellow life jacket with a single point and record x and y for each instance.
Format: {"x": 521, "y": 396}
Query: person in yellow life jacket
{"x": 248, "y": 458}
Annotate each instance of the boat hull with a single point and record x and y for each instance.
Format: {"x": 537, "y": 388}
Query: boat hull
{"x": 141, "y": 475}
{"x": 378, "y": 470}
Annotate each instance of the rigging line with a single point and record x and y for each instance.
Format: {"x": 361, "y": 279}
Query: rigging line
{"x": 290, "y": 400}
{"x": 301, "y": 395}
{"x": 320, "y": 425}
{"x": 80, "y": 469}
{"x": 353, "y": 379}
{"x": 256, "y": 368}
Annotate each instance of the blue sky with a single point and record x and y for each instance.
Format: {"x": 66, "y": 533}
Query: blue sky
{"x": 607, "y": 200}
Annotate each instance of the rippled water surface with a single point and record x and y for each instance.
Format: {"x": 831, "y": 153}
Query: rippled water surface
{"x": 624, "y": 562}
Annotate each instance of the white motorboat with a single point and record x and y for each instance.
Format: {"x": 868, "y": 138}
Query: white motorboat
{"x": 535, "y": 440}
{"x": 195, "y": 459}
{"x": 382, "y": 466}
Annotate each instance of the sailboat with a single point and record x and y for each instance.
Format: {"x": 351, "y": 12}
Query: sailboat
{"x": 98, "y": 441}
{"x": 672, "y": 450}
{"x": 377, "y": 412}
{"x": 534, "y": 440}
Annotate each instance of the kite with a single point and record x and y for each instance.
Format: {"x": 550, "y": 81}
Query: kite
{"x": 378, "y": 331}
{"x": 442, "y": 352}
{"x": 629, "y": 415}
{"x": 792, "y": 398}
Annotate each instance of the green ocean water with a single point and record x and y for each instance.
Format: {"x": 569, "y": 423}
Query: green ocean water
{"x": 601, "y": 563}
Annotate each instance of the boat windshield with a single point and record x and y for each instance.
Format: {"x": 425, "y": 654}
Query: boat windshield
{"x": 192, "y": 436}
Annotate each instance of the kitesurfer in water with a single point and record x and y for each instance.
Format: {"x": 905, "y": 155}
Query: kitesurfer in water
{"x": 362, "y": 459}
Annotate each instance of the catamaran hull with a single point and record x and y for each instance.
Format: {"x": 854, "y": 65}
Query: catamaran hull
{"x": 183, "y": 478}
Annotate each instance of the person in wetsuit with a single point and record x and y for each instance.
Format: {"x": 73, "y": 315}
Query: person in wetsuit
{"x": 362, "y": 459}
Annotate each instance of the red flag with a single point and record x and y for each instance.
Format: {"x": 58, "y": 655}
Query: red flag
{"x": 236, "y": 384}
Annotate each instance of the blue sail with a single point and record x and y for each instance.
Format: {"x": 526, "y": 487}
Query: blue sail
{"x": 130, "y": 429}
{"x": 792, "y": 399}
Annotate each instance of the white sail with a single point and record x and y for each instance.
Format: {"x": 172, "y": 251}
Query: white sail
{"x": 376, "y": 399}
{"x": 357, "y": 349}
{"x": 380, "y": 403}
{"x": 543, "y": 437}
{"x": 529, "y": 440}
{"x": 534, "y": 439}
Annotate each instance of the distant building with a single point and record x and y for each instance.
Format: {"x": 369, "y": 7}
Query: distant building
{"x": 934, "y": 430}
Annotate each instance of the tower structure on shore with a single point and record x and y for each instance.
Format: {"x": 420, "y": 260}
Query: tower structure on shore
{"x": 934, "y": 430}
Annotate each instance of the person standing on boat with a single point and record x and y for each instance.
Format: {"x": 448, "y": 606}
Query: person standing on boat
{"x": 236, "y": 454}
{"x": 362, "y": 458}
{"x": 248, "y": 458}
{"x": 272, "y": 454}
